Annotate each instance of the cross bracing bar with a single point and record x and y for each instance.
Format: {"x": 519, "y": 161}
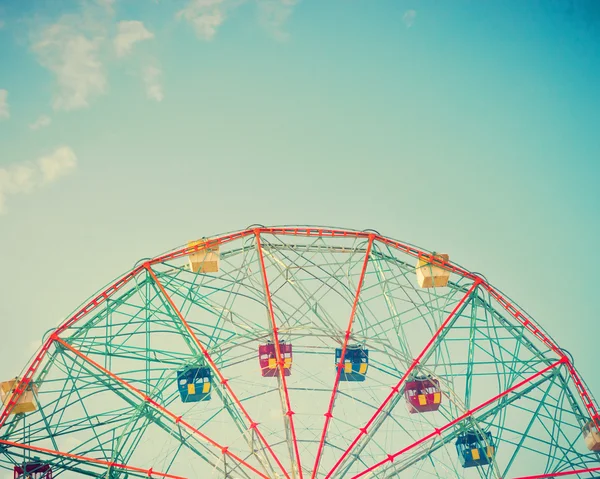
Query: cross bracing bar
{"x": 224, "y": 382}
{"x": 529, "y": 325}
{"x": 465, "y": 415}
{"x": 177, "y": 420}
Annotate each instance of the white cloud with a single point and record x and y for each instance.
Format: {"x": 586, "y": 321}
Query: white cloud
{"x": 70, "y": 50}
{"x": 2, "y": 24}
{"x": 4, "y": 110}
{"x": 154, "y": 89}
{"x": 59, "y": 163}
{"x": 409, "y": 17}
{"x": 129, "y": 33}
{"x": 41, "y": 122}
{"x": 15, "y": 179}
{"x": 273, "y": 15}
{"x": 205, "y": 16}
{"x": 107, "y": 5}
{"x": 26, "y": 177}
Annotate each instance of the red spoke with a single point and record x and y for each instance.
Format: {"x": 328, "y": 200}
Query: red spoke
{"x": 223, "y": 381}
{"x": 289, "y": 414}
{"x": 328, "y": 415}
{"x": 98, "y": 300}
{"x": 396, "y": 388}
{"x": 559, "y": 474}
{"x": 146, "y": 472}
{"x": 537, "y": 331}
{"x": 438, "y": 431}
{"x": 178, "y": 420}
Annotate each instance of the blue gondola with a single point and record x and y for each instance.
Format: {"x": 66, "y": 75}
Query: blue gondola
{"x": 356, "y": 363}
{"x": 475, "y": 448}
{"x": 194, "y": 384}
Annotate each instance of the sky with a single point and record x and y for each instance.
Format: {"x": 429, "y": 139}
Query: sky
{"x": 128, "y": 127}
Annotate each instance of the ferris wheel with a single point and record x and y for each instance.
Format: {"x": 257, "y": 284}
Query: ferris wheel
{"x": 299, "y": 353}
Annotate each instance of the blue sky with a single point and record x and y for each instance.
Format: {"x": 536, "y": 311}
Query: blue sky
{"x": 128, "y": 127}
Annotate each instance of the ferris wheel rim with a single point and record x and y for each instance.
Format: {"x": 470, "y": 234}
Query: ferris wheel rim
{"x": 306, "y": 231}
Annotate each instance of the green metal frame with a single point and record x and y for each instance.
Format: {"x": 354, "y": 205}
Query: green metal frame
{"x": 108, "y": 405}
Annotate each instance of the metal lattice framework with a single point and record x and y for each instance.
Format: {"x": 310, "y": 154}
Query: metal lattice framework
{"x": 108, "y": 404}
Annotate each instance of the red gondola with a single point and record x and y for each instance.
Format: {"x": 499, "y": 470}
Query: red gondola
{"x": 423, "y": 394}
{"x": 267, "y": 357}
{"x": 33, "y": 470}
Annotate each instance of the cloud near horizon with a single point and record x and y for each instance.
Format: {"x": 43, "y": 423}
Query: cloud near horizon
{"x": 26, "y": 177}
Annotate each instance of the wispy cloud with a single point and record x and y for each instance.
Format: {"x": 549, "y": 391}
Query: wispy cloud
{"x": 409, "y": 17}
{"x": 4, "y": 110}
{"x": 107, "y": 5}
{"x": 129, "y": 33}
{"x": 152, "y": 80}
{"x": 73, "y": 57}
{"x": 2, "y": 24}
{"x": 71, "y": 49}
{"x": 59, "y": 163}
{"x": 205, "y": 16}
{"x": 23, "y": 178}
{"x": 42, "y": 122}
{"x": 274, "y": 14}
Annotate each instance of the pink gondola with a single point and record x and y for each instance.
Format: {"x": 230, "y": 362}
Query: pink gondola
{"x": 423, "y": 394}
{"x": 267, "y": 357}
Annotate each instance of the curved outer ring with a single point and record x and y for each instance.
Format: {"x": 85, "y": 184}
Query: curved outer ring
{"x": 305, "y": 231}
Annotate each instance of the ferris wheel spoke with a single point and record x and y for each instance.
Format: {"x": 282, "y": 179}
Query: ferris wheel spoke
{"x": 223, "y": 382}
{"x": 394, "y": 468}
{"x": 91, "y": 461}
{"x": 340, "y": 365}
{"x": 307, "y": 298}
{"x": 465, "y": 416}
{"x": 540, "y": 334}
{"x": 392, "y": 398}
{"x": 177, "y": 421}
{"x": 312, "y": 299}
{"x": 287, "y": 285}
{"x": 561, "y": 474}
{"x": 289, "y": 413}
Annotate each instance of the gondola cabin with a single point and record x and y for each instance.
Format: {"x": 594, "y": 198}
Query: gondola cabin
{"x": 267, "y": 358}
{"x": 33, "y": 470}
{"x": 423, "y": 394}
{"x": 430, "y": 275}
{"x": 194, "y": 384}
{"x": 206, "y": 259}
{"x": 356, "y": 363}
{"x": 591, "y": 436}
{"x": 475, "y": 448}
{"x": 25, "y": 403}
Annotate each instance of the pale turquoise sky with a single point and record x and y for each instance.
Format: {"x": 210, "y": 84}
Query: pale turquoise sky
{"x": 466, "y": 127}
